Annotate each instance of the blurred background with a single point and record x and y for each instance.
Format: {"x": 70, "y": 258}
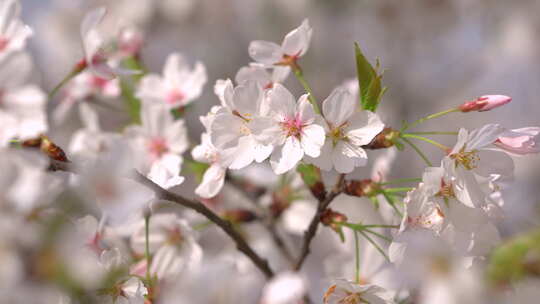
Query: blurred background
{"x": 436, "y": 55}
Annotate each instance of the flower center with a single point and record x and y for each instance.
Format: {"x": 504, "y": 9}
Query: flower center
{"x": 98, "y": 82}
{"x": 338, "y": 133}
{"x": 157, "y": 146}
{"x": 468, "y": 159}
{"x": 175, "y": 96}
{"x": 293, "y": 126}
{"x": 351, "y": 298}
{"x": 446, "y": 191}
{"x": 175, "y": 236}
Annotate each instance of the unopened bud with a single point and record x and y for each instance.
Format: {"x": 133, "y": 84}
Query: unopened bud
{"x": 130, "y": 41}
{"x": 52, "y": 150}
{"x": 365, "y": 187}
{"x": 485, "y": 103}
{"x": 333, "y": 218}
{"x": 240, "y": 215}
{"x": 383, "y": 140}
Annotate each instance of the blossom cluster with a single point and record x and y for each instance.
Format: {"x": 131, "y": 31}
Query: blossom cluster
{"x": 105, "y": 220}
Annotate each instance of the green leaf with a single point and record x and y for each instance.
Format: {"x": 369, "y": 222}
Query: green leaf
{"x": 311, "y": 175}
{"x": 369, "y": 81}
{"x": 128, "y": 84}
{"x": 196, "y": 168}
{"x": 515, "y": 259}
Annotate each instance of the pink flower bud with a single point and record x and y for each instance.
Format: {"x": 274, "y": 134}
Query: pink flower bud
{"x": 520, "y": 141}
{"x": 130, "y": 41}
{"x": 485, "y": 103}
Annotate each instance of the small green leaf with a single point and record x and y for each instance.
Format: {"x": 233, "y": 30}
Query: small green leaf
{"x": 310, "y": 174}
{"x": 370, "y": 83}
{"x": 196, "y": 168}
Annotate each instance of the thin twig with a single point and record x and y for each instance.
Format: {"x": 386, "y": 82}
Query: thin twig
{"x": 314, "y": 225}
{"x": 226, "y": 226}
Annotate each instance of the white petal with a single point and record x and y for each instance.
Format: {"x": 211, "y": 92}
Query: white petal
{"x": 312, "y": 140}
{"x": 281, "y": 101}
{"x": 287, "y": 157}
{"x": 212, "y": 182}
{"x": 296, "y": 43}
{"x": 346, "y": 157}
{"x": 324, "y": 161}
{"x": 338, "y": 107}
{"x": 363, "y": 127}
{"x": 247, "y": 99}
{"x": 244, "y": 154}
{"x": 305, "y": 111}
{"x": 265, "y": 52}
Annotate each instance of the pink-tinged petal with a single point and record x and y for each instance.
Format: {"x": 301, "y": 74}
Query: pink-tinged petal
{"x": 287, "y": 157}
{"x": 485, "y": 103}
{"x": 282, "y": 102}
{"x": 268, "y": 53}
{"x": 212, "y": 182}
{"x": 312, "y": 140}
{"x": 338, "y": 107}
{"x": 306, "y": 113}
{"x": 520, "y": 141}
{"x": 363, "y": 127}
{"x": 10, "y": 11}
{"x": 296, "y": 43}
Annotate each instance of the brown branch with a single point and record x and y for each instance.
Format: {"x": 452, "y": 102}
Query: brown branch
{"x": 314, "y": 224}
{"x": 226, "y": 226}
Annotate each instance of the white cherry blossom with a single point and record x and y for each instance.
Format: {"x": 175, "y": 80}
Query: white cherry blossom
{"x": 13, "y": 32}
{"x": 296, "y": 130}
{"x": 345, "y": 291}
{"x": 159, "y": 143}
{"x": 347, "y": 129}
{"x": 295, "y": 45}
{"x": 178, "y": 86}
{"x": 258, "y": 73}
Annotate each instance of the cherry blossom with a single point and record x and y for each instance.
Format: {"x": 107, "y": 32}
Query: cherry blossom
{"x": 296, "y": 129}
{"x": 520, "y": 141}
{"x": 347, "y": 129}
{"x": 485, "y": 103}
{"x": 13, "y": 32}
{"x": 285, "y": 288}
{"x": 258, "y": 73}
{"x": 345, "y": 291}
{"x": 179, "y": 85}
{"x": 295, "y": 45}
{"x": 159, "y": 144}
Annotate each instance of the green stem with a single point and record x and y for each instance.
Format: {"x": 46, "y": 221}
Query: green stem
{"x": 64, "y": 81}
{"x": 147, "y": 245}
{"x": 381, "y": 251}
{"x": 401, "y": 189}
{"x": 434, "y": 133}
{"x": 431, "y": 116}
{"x": 401, "y": 180}
{"x": 430, "y": 141}
{"x": 357, "y": 258}
{"x": 378, "y": 234}
{"x": 392, "y": 203}
{"x": 300, "y": 76}
{"x": 382, "y": 226}
{"x": 415, "y": 148}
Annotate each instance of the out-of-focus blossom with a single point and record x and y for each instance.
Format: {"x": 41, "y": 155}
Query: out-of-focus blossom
{"x": 295, "y": 45}
{"x": 106, "y": 182}
{"x": 86, "y": 86}
{"x": 178, "y": 87}
{"x": 159, "y": 144}
{"x": 90, "y": 141}
{"x": 297, "y": 130}
{"x": 24, "y": 184}
{"x": 172, "y": 244}
{"x": 285, "y": 288}
{"x": 382, "y": 165}
{"x": 485, "y": 103}
{"x": 130, "y": 41}
{"x": 520, "y": 141}
{"x": 345, "y": 291}
{"x": 97, "y": 56}
{"x": 22, "y": 106}
{"x": 13, "y": 32}
{"x": 258, "y": 73}
{"x": 347, "y": 130}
